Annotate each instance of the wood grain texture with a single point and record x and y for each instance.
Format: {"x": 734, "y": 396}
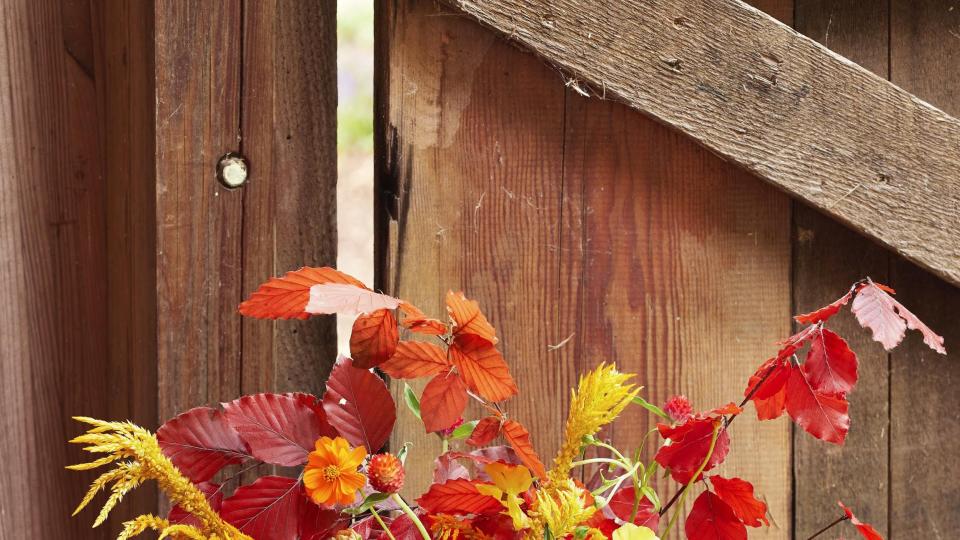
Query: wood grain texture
{"x": 684, "y": 278}
{"x": 828, "y": 257}
{"x": 471, "y": 180}
{"x": 289, "y": 206}
{"x": 59, "y": 325}
{"x": 767, "y": 98}
{"x": 925, "y": 59}
{"x": 199, "y": 238}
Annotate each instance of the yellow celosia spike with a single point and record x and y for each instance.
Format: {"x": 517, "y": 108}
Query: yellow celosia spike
{"x": 143, "y": 460}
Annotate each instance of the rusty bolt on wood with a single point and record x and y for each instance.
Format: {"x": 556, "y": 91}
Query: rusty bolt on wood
{"x": 232, "y": 170}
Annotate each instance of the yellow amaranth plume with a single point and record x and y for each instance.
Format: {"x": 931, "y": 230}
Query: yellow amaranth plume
{"x": 140, "y": 459}
{"x": 599, "y": 398}
{"x": 560, "y": 508}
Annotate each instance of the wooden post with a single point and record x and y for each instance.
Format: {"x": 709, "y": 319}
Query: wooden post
{"x": 123, "y": 258}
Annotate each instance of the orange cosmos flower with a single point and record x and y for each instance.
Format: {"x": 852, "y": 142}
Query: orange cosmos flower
{"x": 331, "y": 475}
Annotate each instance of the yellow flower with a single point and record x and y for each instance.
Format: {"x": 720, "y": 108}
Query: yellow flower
{"x": 560, "y": 508}
{"x": 509, "y": 481}
{"x": 629, "y": 531}
{"x": 331, "y": 475}
{"x": 347, "y": 534}
{"x": 599, "y": 398}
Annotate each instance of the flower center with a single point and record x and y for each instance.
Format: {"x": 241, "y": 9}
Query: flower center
{"x": 331, "y": 473}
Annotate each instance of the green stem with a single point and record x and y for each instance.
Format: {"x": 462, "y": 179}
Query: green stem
{"x": 616, "y": 486}
{"x": 444, "y": 445}
{"x": 612, "y": 449}
{"x": 383, "y": 525}
{"x": 600, "y": 460}
{"x": 686, "y": 488}
{"x": 413, "y": 515}
{"x": 828, "y": 527}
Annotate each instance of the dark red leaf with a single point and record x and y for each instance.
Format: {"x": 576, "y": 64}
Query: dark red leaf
{"x": 316, "y": 523}
{"x": 831, "y": 366}
{"x": 443, "y": 401}
{"x": 739, "y": 495}
{"x": 267, "y": 509}
{"x": 770, "y": 396}
{"x": 457, "y": 497}
{"x": 279, "y": 429}
{"x": 867, "y": 531}
{"x": 622, "y": 506}
{"x": 712, "y": 519}
{"x": 214, "y": 497}
{"x": 485, "y": 431}
{"x": 690, "y": 443}
{"x": 822, "y": 415}
{"x": 367, "y": 412}
{"x": 200, "y": 442}
{"x": 446, "y": 467}
{"x": 374, "y": 339}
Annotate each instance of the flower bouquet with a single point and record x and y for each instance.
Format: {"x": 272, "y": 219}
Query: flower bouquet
{"x": 342, "y": 483}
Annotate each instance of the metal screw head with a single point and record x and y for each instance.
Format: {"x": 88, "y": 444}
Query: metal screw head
{"x": 232, "y": 170}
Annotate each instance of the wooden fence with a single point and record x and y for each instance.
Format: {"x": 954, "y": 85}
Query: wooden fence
{"x": 588, "y": 232}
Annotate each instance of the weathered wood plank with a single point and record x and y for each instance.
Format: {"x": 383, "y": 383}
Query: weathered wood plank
{"x": 126, "y": 104}
{"x": 199, "y": 267}
{"x": 767, "y": 98}
{"x": 925, "y": 59}
{"x": 828, "y": 257}
{"x": 289, "y": 207}
{"x": 471, "y": 170}
{"x": 685, "y": 265}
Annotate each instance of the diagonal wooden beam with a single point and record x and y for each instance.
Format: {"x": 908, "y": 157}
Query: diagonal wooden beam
{"x": 767, "y": 98}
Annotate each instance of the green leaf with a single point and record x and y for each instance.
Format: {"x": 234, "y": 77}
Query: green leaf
{"x": 402, "y": 453}
{"x": 367, "y": 504}
{"x": 412, "y": 402}
{"x": 650, "y": 407}
{"x": 464, "y": 430}
{"x": 651, "y": 495}
{"x": 580, "y": 532}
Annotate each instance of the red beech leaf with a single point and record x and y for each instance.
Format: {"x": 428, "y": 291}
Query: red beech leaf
{"x": 519, "y": 439}
{"x": 446, "y": 467}
{"x": 374, "y": 339}
{"x": 458, "y": 496}
{"x": 311, "y": 401}
{"x": 824, "y": 313}
{"x": 318, "y": 523}
{"x": 770, "y": 396}
{"x": 359, "y": 406}
{"x": 867, "y": 531}
{"x": 214, "y": 496}
{"x": 482, "y": 367}
{"x": 712, "y": 519}
{"x": 414, "y": 359}
{"x": 200, "y": 442}
{"x": 888, "y": 320}
{"x": 822, "y": 415}
{"x": 739, "y": 495}
{"x": 416, "y": 321}
{"x": 403, "y": 528}
{"x": 831, "y": 366}
{"x": 485, "y": 431}
{"x": 622, "y": 506}
{"x": 267, "y": 509}
{"x": 468, "y": 319}
{"x": 347, "y": 299}
{"x": 690, "y": 443}
{"x": 279, "y": 429}
{"x": 443, "y": 401}
{"x": 286, "y": 297}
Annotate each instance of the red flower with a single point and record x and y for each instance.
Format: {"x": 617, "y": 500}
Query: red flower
{"x": 679, "y": 408}
{"x": 386, "y": 473}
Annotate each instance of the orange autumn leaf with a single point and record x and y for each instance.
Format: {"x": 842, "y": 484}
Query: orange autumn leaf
{"x": 413, "y": 359}
{"x": 443, "y": 401}
{"x": 519, "y": 439}
{"x": 485, "y": 431}
{"x": 468, "y": 319}
{"x": 374, "y": 339}
{"x": 287, "y": 297}
{"x": 416, "y": 321}
{"x": 459, "y": 496}
{"x": 482, "y": 367}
